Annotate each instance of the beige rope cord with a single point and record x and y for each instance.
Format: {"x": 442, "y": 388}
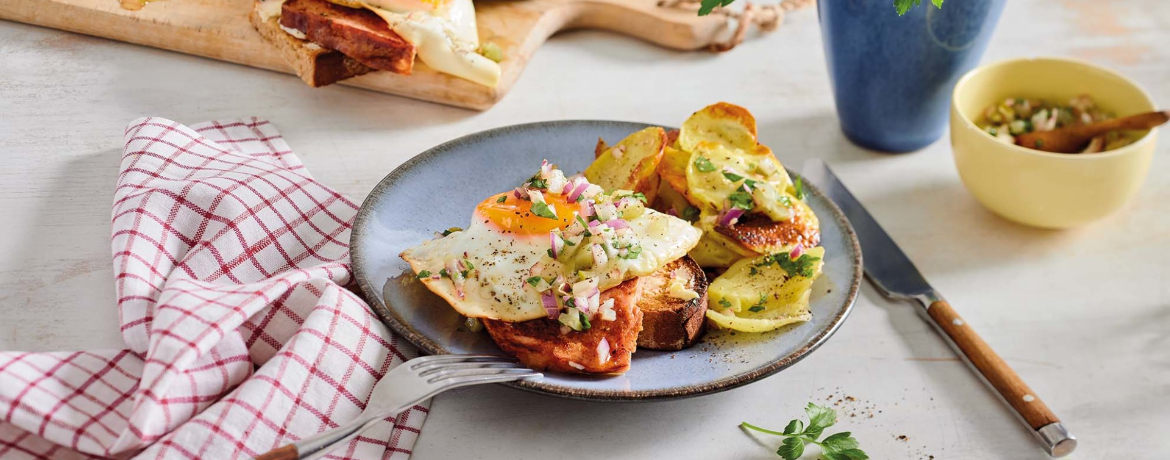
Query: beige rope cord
{"x": 766, "y": 17}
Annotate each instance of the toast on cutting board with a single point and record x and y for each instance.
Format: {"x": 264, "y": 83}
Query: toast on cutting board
{"x": 316, "y": 65}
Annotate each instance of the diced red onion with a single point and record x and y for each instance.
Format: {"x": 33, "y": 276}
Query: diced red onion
{"x": 568, "y": 188}
{"x": 599, "y": 255}
{"x": 672, "y": 212}
{"x": 587, "y": 209}
{"x": 617, "y": 223}
{"x": 797, "y": 251}
{"x": 594, "y": 224}
{"x": 519, "y": 193}
{"x": 545, "y": 169}
{"x": 550, "y": 304}
{"x": 603, "y": 350}
{"x": 557, "y": 244}
{"x": 579, "y": 190}
{"x": 582, "y": 304}
{"x": 728, "y": 217}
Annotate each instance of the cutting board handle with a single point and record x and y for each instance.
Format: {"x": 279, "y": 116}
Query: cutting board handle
{"x": 668, "y": 27}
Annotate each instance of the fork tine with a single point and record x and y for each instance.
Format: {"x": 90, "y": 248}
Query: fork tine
{"x": 428, "y": 370}
{"x": 459, "y": 373}
{"x": 465, "y": 381}
{"x": 435, "y": 359}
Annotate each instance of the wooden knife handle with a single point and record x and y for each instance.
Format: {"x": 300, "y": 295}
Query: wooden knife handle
{"x": 1003, "y": 379}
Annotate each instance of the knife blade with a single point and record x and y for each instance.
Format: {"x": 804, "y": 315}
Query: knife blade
{"x": 895, "y": 276}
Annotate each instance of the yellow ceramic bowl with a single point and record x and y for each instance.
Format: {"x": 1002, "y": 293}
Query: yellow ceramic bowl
{"x": 1051, "y": 190}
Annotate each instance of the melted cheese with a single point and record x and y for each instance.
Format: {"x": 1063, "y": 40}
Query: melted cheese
{"x": 445, "y": 36}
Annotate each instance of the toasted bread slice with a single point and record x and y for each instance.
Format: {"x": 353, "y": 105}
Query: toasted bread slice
{"x": 670, "y": 322}
{"x": 540, "y": 345}
{"x": 357, "y": 33}
{"x": 316, "y": 65}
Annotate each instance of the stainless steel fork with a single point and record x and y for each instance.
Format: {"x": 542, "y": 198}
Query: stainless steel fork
{"x": 403, "y": 387}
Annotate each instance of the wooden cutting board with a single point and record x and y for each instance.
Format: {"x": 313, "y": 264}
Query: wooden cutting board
{"x": 219, "y": 29}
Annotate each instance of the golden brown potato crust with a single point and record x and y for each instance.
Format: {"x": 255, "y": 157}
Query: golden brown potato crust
{"x": 540, "y": 345}
{"x": 760, "y": 234}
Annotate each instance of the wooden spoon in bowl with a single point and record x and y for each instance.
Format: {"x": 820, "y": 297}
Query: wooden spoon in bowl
{"x": 1073, "y": 138}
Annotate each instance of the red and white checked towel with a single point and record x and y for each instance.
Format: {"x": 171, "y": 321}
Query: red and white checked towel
{"x": 230, "y": 263}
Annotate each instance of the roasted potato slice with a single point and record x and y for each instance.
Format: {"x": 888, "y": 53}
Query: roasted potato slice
{"x": 759, "y": 233}
{"x": 630, "y": 164}
{"x": 757, "y": 296}
{"x": 722, "y": 123}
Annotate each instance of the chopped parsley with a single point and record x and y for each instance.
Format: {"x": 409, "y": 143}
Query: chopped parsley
{"x": 451, "y": 230}
{"x": 759, "y": 306}
{"x": 704, "y": 165}
{"x": 632, "y": 252}
{"x": 732, "y": 176}
{"x": 691, "y": 213}
{"x": 741, "y": 200}
{"x": 467, "y": 267}
{"x": 537, "y": 182}
{"x": 724, "y": 303}
{"x": 443, "y": 273}
{"x": 802, "y": 266}
{"x": 799, "y": 185}
{"x": 424, "y": 274}
{"x": 502, "y": 198}
{"x": 585, "y": 326}
{"x": 535, "y": 280}
{"x": 541, "y": 209}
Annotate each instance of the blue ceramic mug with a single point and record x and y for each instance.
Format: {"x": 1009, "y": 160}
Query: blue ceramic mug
{"x": 892, "y": 75}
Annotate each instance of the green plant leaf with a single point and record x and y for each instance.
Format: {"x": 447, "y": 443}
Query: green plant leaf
{"x": 794, "y": 427}
{"x": 707, "y": 6}
{"x": 819, "y": 418}
{"x": 791, "y": 449}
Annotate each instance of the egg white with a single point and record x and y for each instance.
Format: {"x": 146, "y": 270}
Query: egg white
{"x": 503, "y": 260}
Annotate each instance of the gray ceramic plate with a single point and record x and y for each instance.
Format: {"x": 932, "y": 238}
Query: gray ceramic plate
{"x": 439, "y": 189}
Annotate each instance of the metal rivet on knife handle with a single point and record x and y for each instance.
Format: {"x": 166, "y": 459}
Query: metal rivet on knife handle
{"x": 1003, "y": 379}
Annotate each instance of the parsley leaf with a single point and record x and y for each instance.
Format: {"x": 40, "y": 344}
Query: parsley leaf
{"x": 535, "y": 280}
{"x": 543, "y": 210}
{"x": 756, "y": 308}
{"x": 707, "y": 6}
{"x": 791, "y": 449}
{"x": 691, "y": 213}
{"x": 537, "y": 182}
{"x": 502, "y": 198}
{"x": 424, "y": 274}
{"x": 732, "y": 176}
{"x": 639, "y": 196}
{"x": 585, "y": 326}
{"x": 704, "y": 165}
{"x": 443, "y": 273}
{"x": 741, "y": 199}
{"x": 802, "y": 266}
{"x": 724, "y": 303}
{"x": 840, "y": 446}
{"x": 799, "y": 185}
{"x": 902, "y": 6}
{"x": 451, "y": 230}
{"x": 819, "y": 418}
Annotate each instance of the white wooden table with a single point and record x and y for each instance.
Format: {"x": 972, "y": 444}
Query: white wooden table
{"x": 1082, "y": 315}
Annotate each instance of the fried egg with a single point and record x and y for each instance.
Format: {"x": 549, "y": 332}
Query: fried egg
{"x": 444, "y": 32}
{"x": 502, "y": 265}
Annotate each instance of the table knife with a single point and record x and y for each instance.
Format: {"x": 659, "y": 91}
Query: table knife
{"x": 892, "y": 273}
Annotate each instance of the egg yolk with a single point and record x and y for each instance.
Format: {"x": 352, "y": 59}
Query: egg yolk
{"x": 515, "y": 214}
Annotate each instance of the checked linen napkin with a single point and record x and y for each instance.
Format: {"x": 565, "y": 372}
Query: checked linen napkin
{"x": 231, "y": 264}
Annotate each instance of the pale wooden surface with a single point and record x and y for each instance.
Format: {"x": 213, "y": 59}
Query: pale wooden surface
{"x": 1082, "y": 315}
{"x": 219, "y": 29}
